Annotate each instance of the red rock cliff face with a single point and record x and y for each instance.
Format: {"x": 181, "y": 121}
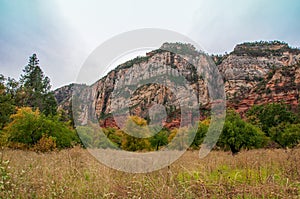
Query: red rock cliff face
{"x": 254, "y": 73}
{"x": 144, "y": 97}
{"x": 281, "y": 85}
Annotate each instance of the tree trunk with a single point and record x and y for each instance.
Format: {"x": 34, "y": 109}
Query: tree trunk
{"x": 234, "y": 151}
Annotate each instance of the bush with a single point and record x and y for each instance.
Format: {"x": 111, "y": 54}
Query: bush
{"x": 28, "y": 127}
{"x": 46, "y": 143}
{"x": 159, "y": 139}
{"x": 138, "y": 127}
{"x": 94, "y": 137}
{"x": 180, "y": 138}
{"x": 286, "y": 135}
{"x": 270, "y": 115}
{"x": 201, "y": 133}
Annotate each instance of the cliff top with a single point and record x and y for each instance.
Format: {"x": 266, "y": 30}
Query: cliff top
{"x": 263, "y": 48}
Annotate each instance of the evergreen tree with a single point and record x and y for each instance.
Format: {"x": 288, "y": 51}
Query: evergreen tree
{"x": 35, "y": 88}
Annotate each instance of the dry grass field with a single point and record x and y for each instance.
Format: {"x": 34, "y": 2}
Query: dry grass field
{"x": 74, "y": 173}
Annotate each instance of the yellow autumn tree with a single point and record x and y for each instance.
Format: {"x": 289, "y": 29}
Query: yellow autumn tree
{"x": 28, "y": 127}
{"x": 136, "y": 128}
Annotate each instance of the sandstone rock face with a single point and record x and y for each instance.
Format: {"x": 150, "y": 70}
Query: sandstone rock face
{"x": 281, "y": 85}
{"x": 63, "y": 97}
{"x": 160, "y": 78}
{"x": 254, "y": 73}
{"x": 249, "y": 63}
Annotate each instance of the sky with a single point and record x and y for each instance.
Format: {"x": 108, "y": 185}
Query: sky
{"x": 63, "y": 33}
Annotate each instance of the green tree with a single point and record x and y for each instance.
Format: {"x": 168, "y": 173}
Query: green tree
{"x": 201, "y": 133}
{"x": 114, "y": 135}
{"x": 12, "y": 87}
{"x": 270, "y": 115}
{"x": 28, "y": 127}
{"x": 286, "y": 134}
{"x": 6, "y": 103}
{"x": 92, "y": 136}
{"x": 137, "y": 127}
{"x": 237, "y": 134}
{"x": 180, "y": 138}
{"x": 159, "y": 139}
{"x": 35, "y": 88}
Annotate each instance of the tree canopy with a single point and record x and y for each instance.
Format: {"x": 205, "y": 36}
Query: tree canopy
{"x": 28, "y": 112}
{"x": 238, "y": 134}
{"x": 28, "y": 127}
{"x": 270, "y": 115}
{"x": 35, "y": 88}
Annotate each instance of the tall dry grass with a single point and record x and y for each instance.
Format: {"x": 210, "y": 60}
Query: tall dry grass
{"x": 74, "y": 173}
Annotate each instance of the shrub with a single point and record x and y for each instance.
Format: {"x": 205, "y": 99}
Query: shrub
{"x": 28, "y": 126}
{"x": 46, "y": 143}
{"x": 159, "y": 139}
{"x": 138, "y": 127}
{"x": 270, "y": 115}
{"x": 180, "y": 138}
{"x": 201, "y": 133}
{"x": 286, "y": 135}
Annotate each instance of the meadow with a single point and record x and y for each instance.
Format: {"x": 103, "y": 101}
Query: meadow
{"x": 74, "y": 173}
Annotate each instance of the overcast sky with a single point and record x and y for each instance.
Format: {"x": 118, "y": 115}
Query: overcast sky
{"x": 64, "y": 32}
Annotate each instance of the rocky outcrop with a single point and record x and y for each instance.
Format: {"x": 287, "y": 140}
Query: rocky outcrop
{"x": 278, "y": 86}
{"x": 63, "y": 97}
{"x": 254, "y": 73}
{"x": 145, "y": 81}
{"x": 249, "y": 63}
